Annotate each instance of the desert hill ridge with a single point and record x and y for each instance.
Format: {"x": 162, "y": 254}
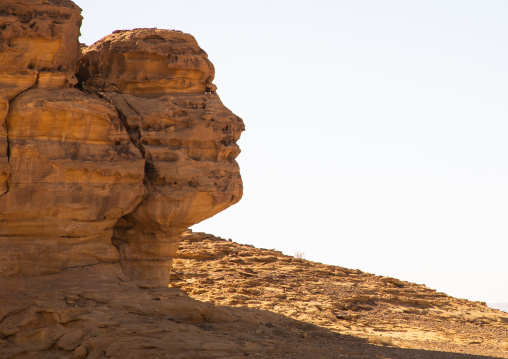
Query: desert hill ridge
{"x": 501, "y": 306}
{"x": 242, "y": 302}
{"x": 345, "y": 300}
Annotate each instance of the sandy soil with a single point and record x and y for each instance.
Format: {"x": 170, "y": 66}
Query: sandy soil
{"x": 382, "y": 310}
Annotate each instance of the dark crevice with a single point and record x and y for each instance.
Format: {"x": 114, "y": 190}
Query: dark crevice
{"x": 13, "y": 313}
{"x": 134, "y": 134}
{"x": 91, "y": 265}
{"x": 137, "y": 129}
{"x": 150, "y": 173}
{"x": 162, "y": 260}
{"x": 7, "y": 184}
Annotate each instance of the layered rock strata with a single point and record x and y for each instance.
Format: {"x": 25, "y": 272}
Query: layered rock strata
{"x": 34, "y": 35}
{"x": 69, "y": 168}
{"x": 148, "y": 63}
{"x": 160, "y": 83}
{"x": 129, "y": 156}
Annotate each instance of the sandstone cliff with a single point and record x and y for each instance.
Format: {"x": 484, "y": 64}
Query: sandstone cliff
{"x": 111, "y": 166}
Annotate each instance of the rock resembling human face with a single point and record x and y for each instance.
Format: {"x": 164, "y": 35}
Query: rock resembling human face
{"x": 160, "y": 82}
{"x": 139, "y": 150}
{"x": 189, "y": 145}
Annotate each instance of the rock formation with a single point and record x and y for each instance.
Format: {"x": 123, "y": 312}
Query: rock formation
{"x": 107, "y": 154}
{"x": 34, "y": 36}
{"x": 129, "y": 154}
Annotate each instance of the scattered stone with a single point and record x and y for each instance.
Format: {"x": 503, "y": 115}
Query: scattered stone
{"x": 348, "y": 301}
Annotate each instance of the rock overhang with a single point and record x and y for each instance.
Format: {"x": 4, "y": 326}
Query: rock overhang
{"x": 128, "y": 157}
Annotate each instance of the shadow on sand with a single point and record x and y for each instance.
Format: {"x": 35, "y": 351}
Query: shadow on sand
{"x": 94, "y": 312}
{"x": 301, "y": 340}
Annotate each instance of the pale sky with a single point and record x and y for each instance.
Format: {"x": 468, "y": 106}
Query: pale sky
{"x": 376, "y": 130}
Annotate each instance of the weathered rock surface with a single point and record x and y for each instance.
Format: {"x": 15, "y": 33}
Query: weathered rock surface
{"x": 34, "y": 35}
{"x": 69, "y": 168}
{"x": 255, "y": 302}
{"x": 39, "y": 35}
{"x": 139, "y": 151}
{"x": 147, "y": 62}
{"x": 160, "y": 83}
{"x": 73, "y": 173}
{"x": 189, "y": 144}
{"x": 97, "y": 312}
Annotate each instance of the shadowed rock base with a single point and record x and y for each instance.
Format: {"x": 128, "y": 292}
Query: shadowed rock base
{"x": 146, "y": 256}
{"x": 97, "y": 312}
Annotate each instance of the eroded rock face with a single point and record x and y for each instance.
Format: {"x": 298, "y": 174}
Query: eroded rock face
{"x": 74, "y": 172}
{"x": 34, "y": 35}
{"x": 148, "y": 63}
{"x": 69, "y": 169}
{"x": 39, "y": 34}
{"x": 116, "y": 170}
{"x": 185, "y": 133}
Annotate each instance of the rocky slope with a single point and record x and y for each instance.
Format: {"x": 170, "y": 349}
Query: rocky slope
{"x": 252, "y": 302}
{"x": 380, "y": 309}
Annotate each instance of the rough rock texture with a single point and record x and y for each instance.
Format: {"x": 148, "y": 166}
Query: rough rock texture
{"x": 257, "y": 303}
{"x": 69, "y": 168}
{"x": 130, "y": 156}
{"x": 34, "y": 35}
{"x": 147, "y": 62}
{"x": 39, "y": 35}
{"x": 74, "y": 172}
{"x": 96, "y": 312}
{"x": 382, "y": 310}
{"x": 160, "y": 83}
